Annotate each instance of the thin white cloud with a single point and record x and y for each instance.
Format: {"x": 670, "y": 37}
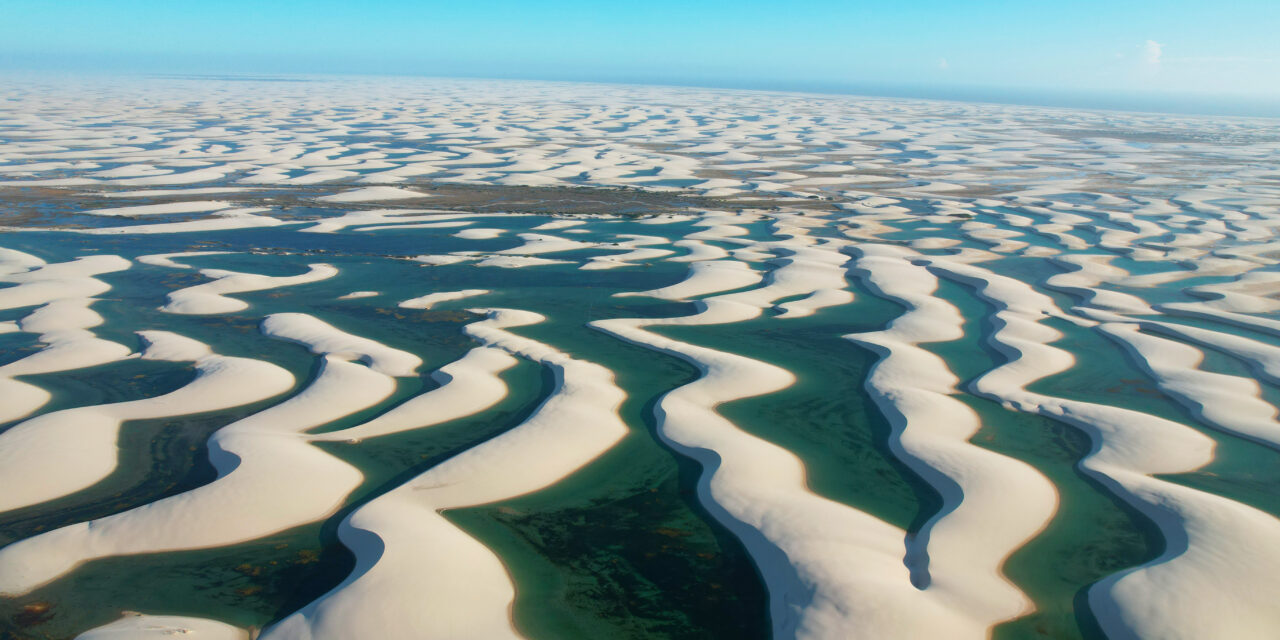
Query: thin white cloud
{"x": 1151, "y": 52}
{"x": 1225, "y": 59}
{"x": 942, "y": 64}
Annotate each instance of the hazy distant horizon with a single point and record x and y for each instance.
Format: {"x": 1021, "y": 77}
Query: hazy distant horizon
{"x": 1179, "y": 56}
{"x": 1096, "y": 100}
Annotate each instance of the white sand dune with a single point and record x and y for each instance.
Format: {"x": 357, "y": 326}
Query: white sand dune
{"x": 222, "y": 220}
{"x": 402, "y": 588}
{"x": 638, "y": 249}
{"x": 1263, "y": 324}
{"x": 379, "y": 218}
{"x": 479, "y": 234}
{"x": 706, "y": 277}
{"x": 811, "y": 303}
{"x": 812, "y": 552}
{"x": 518, "y": 262}
{"x": 1218, "y": 582}
{"x": 1230, "y": 403}
{"x": 196, "y": 206}
{"x": 440, "y": 260}
{"x": 323, "y": 338}
{"x": 467, "y": 386}
{"x": 538, "y": 243}
{"x": 1211, "y": 581}
{"x": 13, "y": 261}
{"x": 137, "y": 626}
{"x": 45, "y": 283}
{"x": 986, "y": 196}
{"x": 698, "y": 251}
{"x": 166, "y": 259}
{"x": 831, "y": 570}
{"x": 453, "y": 224}
{"x": 1262, "y": 358}
{"x": 374, "y": 194}
{"x": 63, "y": 326}
{"x": 58, "y": 453}
{"x": 992, "y": 504}
{"x": 212, "y": 297}
{"x": 431, "y": 299}
{"x": 264, "y": 456}
{"x": 185, "y": 177}
{"x": 159, "y": 193}
{"x": 1092, "y": 270}
{"x": 628, "y": 259}
{"x": 63, "y": 321}
{"x": 813, "y": 270}
{"x": 559, "y": 224}
{"x": 269, "y": 480}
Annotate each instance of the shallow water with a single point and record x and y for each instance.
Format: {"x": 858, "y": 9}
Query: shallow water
{"x": 653, "y": 536}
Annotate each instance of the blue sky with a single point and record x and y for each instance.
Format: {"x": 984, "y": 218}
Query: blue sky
{"x": 1152, "y": 51}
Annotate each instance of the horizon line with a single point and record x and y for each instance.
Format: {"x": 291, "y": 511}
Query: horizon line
{"x": 1100, "y": 100}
